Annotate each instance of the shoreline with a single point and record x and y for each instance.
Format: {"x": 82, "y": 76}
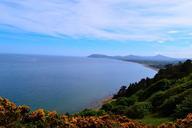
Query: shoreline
{"x": 149, "y": 66}
{"x": 100, "y": 102}
{"x": 145, "y": 65}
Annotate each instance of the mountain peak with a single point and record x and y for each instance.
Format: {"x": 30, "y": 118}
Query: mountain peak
{"x": 159, "y": 55}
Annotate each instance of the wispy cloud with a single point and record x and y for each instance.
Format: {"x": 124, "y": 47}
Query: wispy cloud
{"x": 173, "y": 32}
{"x": 146, "y": 20}
{"x": 183, "y": 52}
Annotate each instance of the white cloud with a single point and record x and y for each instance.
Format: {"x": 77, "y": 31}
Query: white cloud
{"x": 190, "y": 34}
{"x": 146, "y": 20}
{"x": 177, "y": 52}
{"x": 161, "y": 41}
{"x": 173, "y": 32}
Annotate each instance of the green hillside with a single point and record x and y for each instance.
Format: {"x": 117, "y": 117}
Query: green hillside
{"x": 166, "y": 96}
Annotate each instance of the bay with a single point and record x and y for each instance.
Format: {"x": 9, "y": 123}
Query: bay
{"x": 64, "y": 84}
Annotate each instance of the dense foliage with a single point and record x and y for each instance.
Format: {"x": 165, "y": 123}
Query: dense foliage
{"x": 168, "y": 94}
{"x": 12, "y": 116}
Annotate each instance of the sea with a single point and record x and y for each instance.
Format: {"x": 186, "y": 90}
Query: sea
{"x": 64, "y": 84}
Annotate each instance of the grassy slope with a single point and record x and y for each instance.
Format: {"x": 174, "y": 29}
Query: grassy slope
{"x": 164, "y": 96}
{"x": 155, "y": 120}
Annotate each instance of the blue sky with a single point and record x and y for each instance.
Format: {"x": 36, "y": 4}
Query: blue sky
{"x": 83, "y": 27}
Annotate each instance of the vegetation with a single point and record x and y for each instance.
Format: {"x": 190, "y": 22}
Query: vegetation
{"x": 91, "y": 112}
{"x": 154, "y": 120}
{"x": 167, "y": 95}
{"x": 12, "y": 116}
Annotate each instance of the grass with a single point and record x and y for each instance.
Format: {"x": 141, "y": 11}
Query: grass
{"x": 154, "y": 120}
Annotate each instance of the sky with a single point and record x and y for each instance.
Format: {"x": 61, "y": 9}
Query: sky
{"x": 83, "y": 27}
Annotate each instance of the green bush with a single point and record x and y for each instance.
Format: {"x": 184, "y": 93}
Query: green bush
{"x": 126, "y": 101}
{"x": 169, "y": 106}
{"x": 157, "y": 99}
{"x": 161, "y": 85}
{"x": 107, "y": 107}
{"x": 185, "y": 107}
{"x": 139, "y": 95}
{"x": 139, "y": 110}
{"x": 119, "y": 110}
{"x": 91, "y": 112}
{"x": 179, "y": 88}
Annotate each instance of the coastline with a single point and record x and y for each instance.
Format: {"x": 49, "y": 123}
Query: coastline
{"x": 149, "y": 66}
{"x": 99, "y": 103}
{"x": 152, "y": 64}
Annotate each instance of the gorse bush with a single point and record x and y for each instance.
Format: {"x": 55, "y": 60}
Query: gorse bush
{"x": 12, "y": 116}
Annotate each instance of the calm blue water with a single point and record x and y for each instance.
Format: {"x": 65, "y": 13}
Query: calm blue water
{"x": 65, "y": 84}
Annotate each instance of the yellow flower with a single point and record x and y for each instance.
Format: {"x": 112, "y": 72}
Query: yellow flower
{"x": 2, "y": 108}
{"x": 52, "y": 114}
{"x": 40, "y": 113}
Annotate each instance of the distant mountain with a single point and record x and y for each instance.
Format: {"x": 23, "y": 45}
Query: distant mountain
{"x": 99, "y": 56}
{"x": 157, "y": 62}
{"x": 105, "y": 56}
{"x": 137, "y": 58}
{"x": 149, "y": 58}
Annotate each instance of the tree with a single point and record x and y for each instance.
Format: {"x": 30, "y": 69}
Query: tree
{"x": 185, "y": 107}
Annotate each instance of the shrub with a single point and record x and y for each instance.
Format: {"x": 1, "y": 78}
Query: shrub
{"x": 121, "y": 92}
{"x": 24, "y": 109}
{"x": 185, "y": 107}
{"x": 119, "y": 110}
{"x": 139, "y": 110}
{"x": 107, "y": 107}
{"x": 170, "y": 104}
{"x": 168, "y": 107}
{"x": 126, "y": 101}
{"x": 161, "y": 85}
{"x": 91, "y": 112}
{"x": 157, "y": 99}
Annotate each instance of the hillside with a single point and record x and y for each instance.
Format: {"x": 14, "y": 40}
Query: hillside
{"x": 167, "y": 95}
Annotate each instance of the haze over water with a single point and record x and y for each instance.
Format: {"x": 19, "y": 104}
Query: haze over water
{"x": 65, "y": 84}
